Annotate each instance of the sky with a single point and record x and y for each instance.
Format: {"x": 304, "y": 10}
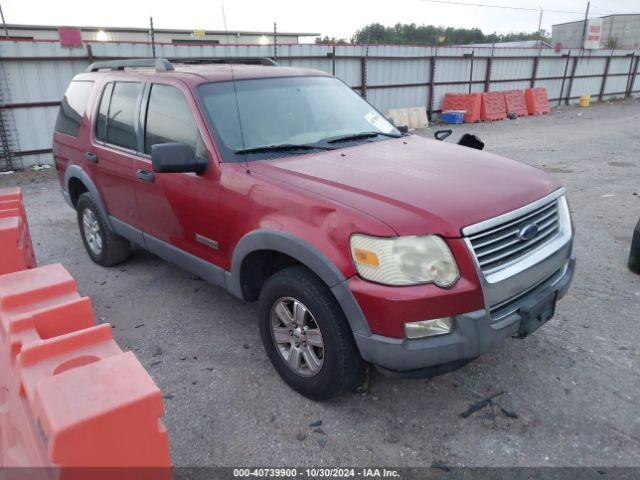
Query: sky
{"x": 335, "y": 18}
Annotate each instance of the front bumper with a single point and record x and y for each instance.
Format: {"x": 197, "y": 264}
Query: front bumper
{"x": 474, "y": 333}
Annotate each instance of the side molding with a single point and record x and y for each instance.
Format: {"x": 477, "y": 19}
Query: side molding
{"x": 308, "y": 255}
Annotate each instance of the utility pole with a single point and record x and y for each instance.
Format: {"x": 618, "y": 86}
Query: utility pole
{"x": 540, "y": 27}
{"x": 153, "y": 42}
{"x": 275, "y": 41}
{"x": 584, "y": 26}
{"x": 4, "y": 24}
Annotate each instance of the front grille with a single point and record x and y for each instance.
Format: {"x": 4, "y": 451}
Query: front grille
{"x": 499, "y": 246}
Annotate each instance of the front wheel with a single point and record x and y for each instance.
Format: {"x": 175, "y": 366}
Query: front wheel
{"x": 306, "y": 335}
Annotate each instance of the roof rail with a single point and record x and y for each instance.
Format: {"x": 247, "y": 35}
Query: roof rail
{"x": 265, "y": 61}
{"x": 160, "y": 64}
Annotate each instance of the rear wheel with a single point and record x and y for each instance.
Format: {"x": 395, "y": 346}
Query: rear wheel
{"x": 104, "y": 246}
{"x": 307, "y": 336}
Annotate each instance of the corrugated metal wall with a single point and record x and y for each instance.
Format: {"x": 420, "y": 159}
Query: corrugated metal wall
{"x": 36, "y": 75}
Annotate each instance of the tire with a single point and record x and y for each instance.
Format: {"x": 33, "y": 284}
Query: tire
{"x": 341, "y": 367}
{"x": 102, "y": 244}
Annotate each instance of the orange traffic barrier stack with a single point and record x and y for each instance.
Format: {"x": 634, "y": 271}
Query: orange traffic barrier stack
{"x": 69, "y": 396}
{"x": 493, "y": 107}
{"x": 515, "y": 102}
{"x": 72, "y": 398}
{"x": 537, "y": 101}
{"x": 469, "y": 103}
{"x": 16, "y": 250}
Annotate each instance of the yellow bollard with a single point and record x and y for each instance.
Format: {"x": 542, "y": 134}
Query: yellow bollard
{"x": 585, "y": 100}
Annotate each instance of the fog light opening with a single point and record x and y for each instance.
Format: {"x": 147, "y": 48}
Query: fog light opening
{"x": 428, "y": 328}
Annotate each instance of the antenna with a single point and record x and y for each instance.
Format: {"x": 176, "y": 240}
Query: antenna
{"x": 233, "y": 81}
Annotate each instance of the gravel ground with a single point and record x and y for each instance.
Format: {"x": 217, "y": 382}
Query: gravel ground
{"x": 571, "y": 391}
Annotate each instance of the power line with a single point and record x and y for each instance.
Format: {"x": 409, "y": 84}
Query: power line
{"x": 501, "y": 6}
{"x": 605, "y": 9}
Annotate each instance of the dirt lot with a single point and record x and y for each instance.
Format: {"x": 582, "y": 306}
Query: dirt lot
{"x": 571, "y": 391}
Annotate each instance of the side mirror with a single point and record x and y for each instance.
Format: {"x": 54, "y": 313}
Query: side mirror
{"x": 176, "y": 157}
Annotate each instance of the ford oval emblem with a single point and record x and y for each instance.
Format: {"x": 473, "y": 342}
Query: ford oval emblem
{"x": 528, "y": 232}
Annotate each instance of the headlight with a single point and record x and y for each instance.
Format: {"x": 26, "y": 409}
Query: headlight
{"x": 404, "y": 260}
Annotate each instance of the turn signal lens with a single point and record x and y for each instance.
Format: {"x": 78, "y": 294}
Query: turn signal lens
{"x": 365, "y": 257}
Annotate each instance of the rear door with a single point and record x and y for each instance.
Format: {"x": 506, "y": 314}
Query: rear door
{"x": 71, "y": 131}
{"x": 115, "y": 148}
{"x": 179, "y": 209}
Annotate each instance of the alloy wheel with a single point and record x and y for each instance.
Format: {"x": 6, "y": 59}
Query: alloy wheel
{"x": 297, "y": 336}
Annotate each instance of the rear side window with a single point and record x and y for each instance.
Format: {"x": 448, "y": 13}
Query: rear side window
{"x": 72, "y": 108}
{"x": 169, "y": 119}
{"x": 101, "y": 123}
{"x": 122, "y": 110}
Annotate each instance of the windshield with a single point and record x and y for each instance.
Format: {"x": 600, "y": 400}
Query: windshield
{"x": 286, "y": 112}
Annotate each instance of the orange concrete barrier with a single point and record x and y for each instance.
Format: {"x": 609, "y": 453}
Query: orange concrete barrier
{"x": 70, "y": 400}
{"x": 493, "y": 107}
{"x": 537, "y": 101}
{"x": 16, "y": 250}
{"x": 470, "y": 103}
{"x": 514, "y": 99}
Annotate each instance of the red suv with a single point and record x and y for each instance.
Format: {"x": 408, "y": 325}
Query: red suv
{"x": 362, "y": 244}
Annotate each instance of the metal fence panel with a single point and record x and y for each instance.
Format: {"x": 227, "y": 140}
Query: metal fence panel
{"x": 588, "y": 66}
{"x": 397, "y": 72}
{"x": 504, "y": 69}
{"x": 35, "y": 127}
{"x": 616, "y": 85}
{"x": 552, "y": 86}
{"x": 514, "y": 85}
{"x": 386, "y": 98}
{"x": 553, "y": 67}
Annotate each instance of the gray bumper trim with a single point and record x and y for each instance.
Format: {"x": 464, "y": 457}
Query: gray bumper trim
{"x": 473, "y": 335}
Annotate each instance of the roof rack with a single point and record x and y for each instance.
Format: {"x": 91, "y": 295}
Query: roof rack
{"x": 160, "y": 64}
{"x": 265, "y": 61}
{"x": 164, "y": 65}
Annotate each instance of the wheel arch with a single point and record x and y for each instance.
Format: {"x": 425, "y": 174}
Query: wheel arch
{"x": 74, "y": 174}
{"x": 301, "y": 252}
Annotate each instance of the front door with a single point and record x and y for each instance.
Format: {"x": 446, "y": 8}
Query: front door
{"x": 178, "y": 209}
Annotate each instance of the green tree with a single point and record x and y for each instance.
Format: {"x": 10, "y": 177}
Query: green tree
{"x": 412, "y": 34}
{"x": 330, "y": 40}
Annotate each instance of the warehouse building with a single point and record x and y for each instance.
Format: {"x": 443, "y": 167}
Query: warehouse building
{"x": 162, "y": 35}
{"x": 617, "y": 31}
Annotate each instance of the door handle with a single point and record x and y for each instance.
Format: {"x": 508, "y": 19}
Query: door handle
{"x": 145, "y": 175}
{"x": 91, "y": 157}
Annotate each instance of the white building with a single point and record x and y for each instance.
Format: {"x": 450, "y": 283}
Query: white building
{"x": 161, "y": 35}
{"x": 618, "y": 31}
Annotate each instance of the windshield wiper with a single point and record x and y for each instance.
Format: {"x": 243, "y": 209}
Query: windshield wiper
{"x": 361, "y": 136}
{"x": 281, "y": 148}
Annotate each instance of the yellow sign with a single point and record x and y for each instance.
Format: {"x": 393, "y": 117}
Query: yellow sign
{"x": 198, "y": 33}
{"x": 441, "y": 38}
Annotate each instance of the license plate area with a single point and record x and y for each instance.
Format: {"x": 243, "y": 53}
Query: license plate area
{"x": 537, "y": 314}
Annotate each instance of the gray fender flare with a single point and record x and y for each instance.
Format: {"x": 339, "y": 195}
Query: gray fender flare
{"x": 74, "y": 171}
{"x": 306, "y": 254}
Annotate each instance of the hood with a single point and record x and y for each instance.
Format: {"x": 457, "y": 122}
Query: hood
{"x": 413, "y": 184}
